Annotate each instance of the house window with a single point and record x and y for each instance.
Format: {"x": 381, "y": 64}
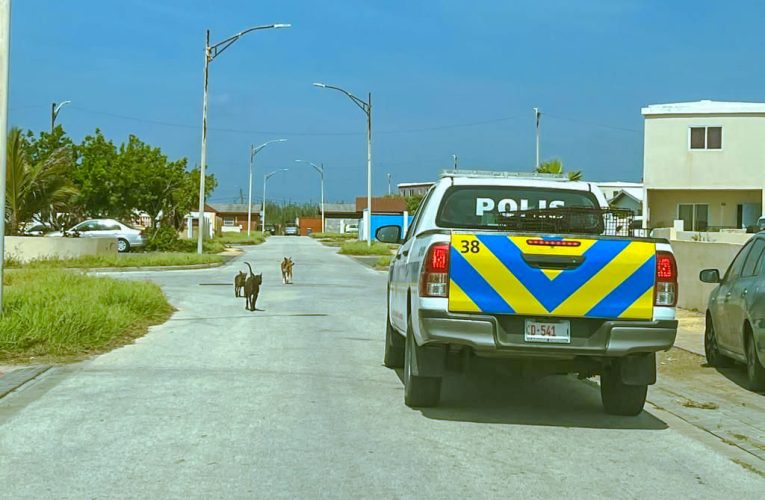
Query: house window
{"x": 229, "y": 221}
{"x": 695, "y": 216}
{"x": 706, "y": 138}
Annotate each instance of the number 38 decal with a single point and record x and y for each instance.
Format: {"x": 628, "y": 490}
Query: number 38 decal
{"x": 470, "y": 246}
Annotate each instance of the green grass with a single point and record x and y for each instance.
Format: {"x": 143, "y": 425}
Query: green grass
{"x": 361, "y": 248}
{"x": 55, "y": 315}
{"x": 383, "y": 261}
{"x": 147, "y": 259}
{"x": 256, "y": 238}
{"x": 335, "y": 236}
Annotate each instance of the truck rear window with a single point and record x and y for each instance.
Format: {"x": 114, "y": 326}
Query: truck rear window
{"x": 498, "y": 207}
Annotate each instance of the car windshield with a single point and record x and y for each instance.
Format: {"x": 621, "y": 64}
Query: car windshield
{"x": 511, "y": 207}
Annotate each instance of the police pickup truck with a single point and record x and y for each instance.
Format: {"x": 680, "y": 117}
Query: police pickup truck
{"x": 534, "y": 270}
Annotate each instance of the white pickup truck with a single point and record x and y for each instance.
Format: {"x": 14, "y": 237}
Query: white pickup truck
{"x": 537, "y": 271}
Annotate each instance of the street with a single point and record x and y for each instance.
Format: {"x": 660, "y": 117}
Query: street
{"x": 293, "y": 401}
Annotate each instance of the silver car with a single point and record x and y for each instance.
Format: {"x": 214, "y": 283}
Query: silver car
{"x": 735, "y": 325}
{"x": 127, "y": 237}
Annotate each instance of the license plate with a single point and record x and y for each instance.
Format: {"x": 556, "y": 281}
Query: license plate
{"x": 548, "y": 331}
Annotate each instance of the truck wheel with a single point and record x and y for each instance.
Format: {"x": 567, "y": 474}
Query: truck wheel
{"x": 619, "y": 398}
{"x": 394, "y": 347}
{"x": 754, "y": 370}
{"x": 712, "y": 351}
{"x": 418, "y": 391}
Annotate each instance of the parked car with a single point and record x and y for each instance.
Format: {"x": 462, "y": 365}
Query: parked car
{"x": 127, "y": 236}
{"x": 270, "y": 229}
{"x": 761, "y": 224}
{"x": 36, "y": 229}
{"x": 735, "y": 316}
{"x": 291, "y": 230}
{"x": 352, "y": 228}
{"x": 526, "y": 271}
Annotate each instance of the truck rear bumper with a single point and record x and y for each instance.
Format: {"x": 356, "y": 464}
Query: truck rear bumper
{"x": 503, "y": 336}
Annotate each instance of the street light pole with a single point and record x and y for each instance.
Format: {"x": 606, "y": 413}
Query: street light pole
{"x": 265, "y": 178}
{"x": 366, "y": 107}
{"x": 454, "y": 157}
{"x": 5, "y": 54}
{"x": 388, "y": 175}
{"x": 538, "y": 116}
{"x": 211, "y": 52}
{"x": 54, "y": 109}
{"x": 320, "y": 169}
{"x": 253, "y": 151}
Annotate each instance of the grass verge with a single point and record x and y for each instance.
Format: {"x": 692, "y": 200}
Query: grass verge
{"x": 147, "y": 259}
{"x": 335, "y": 236}
{"x": 361, "y": 248}
{"x": 55, "y": 315}
{"x": 383, "y": 261}
{"x": 256, "y": 238}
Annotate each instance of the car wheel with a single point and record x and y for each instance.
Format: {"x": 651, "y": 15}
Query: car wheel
{"x": 754, "y": 369}
{"x": 619, "y": 398}
{"x": 712, "y": 351}
{"x": 122, "y": 245}
{"x": 394, "y": 347}
{"x": 418, "y": 391}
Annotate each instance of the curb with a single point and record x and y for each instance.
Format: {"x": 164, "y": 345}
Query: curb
{"x": 16, "y": 378}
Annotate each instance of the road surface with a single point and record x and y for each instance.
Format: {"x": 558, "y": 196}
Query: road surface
{"x": 293, "y": 401}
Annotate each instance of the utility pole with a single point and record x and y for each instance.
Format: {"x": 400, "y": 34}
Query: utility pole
{"x": 454, "y": 157}
{"x": 5, "y": 54}
{"x": 388, "y": 174}
{"x": 254, "y": 151}
{"x": 538, "y": 116}
{"x": 241, "y": 196}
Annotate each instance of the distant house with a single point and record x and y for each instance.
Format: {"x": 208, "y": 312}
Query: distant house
{"x": 629, "y": 199}
{"x": 704, "y": 164}
{"x": 413, "y": 188}
{"x": 234, "y": 216}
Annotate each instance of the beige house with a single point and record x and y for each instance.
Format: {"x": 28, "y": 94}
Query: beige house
{"x": 704, "y": 164}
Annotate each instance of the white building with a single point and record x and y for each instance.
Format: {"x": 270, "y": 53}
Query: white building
{"x": 704, "y": 164}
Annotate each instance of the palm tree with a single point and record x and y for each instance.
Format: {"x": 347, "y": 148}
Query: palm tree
{"x": 36, "y": 191}
{"x": 555, "y": 166}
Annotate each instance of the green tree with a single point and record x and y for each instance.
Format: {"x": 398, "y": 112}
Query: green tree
{"x": 186, "y": 197}
{"x": 35, "y": 189}
{"x": 101, "y": 183}
{"x": 555, "y": 166}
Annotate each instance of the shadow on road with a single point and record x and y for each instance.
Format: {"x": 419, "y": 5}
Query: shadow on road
{"x": 486, "y": 393}
{"x": 737, "y": 375}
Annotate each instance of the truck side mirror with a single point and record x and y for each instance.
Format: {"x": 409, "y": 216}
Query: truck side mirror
{"x": 389, "y": 234}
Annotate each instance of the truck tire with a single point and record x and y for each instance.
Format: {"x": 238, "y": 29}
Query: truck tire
{"x": 418, "y": 391}
{"x": 619, "y": 398}
{"x": 394, "y": 347}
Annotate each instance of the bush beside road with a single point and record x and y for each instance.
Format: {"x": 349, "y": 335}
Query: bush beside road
{"x": 54, "y": 315}
{"x": 361, "y": 248}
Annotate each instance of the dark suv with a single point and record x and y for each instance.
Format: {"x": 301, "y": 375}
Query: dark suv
{"x": 735, "y": 326}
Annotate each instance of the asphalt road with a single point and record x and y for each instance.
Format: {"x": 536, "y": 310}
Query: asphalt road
{"x": 293, "y": 401}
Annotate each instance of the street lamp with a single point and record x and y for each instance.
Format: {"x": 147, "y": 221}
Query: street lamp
{"x": 388, "y": 176}
{"x": 265, "y": 178}
{"x": 54, "y": 109}
{"x": 319, "y": 169}
{"x": 366, "y": 107}
{"x": 211, "y": 52}
{"x": 253, "y": 151}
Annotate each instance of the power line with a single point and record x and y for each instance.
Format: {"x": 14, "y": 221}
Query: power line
{"x": 593, "y": 124}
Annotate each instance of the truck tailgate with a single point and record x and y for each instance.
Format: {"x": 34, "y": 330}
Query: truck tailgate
{"x": 588, "y": 277}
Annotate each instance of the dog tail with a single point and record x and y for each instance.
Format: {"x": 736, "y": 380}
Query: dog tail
{"x": 248, "y": 265}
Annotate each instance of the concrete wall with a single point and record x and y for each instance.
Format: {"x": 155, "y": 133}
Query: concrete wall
{"x": 737, "y": 238}
{"x": 692, "y": 257}
{"x": 670, "y": 163}
{"x": 723, "y": 205}
{"x": 25, "y": 248}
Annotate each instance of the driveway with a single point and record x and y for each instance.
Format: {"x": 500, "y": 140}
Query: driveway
{"x": 293, "y": 401}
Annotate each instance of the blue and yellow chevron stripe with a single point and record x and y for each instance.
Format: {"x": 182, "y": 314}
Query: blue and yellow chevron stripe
{"x": 489, "y": 274}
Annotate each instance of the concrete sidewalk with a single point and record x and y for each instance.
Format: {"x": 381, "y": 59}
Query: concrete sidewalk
{"x": 690, "y": 331}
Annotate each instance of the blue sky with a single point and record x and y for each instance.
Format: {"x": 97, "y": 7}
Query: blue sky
{"x": 447, "y": 77}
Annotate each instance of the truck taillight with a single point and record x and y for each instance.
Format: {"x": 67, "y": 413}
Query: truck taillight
{"x": 434, "y": 281}
{"x": 665, "y": 290}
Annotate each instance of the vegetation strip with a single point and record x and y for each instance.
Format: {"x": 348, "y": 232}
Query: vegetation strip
{"x": 55, "y": 315}
{"x": 149, "y": 259}
{"x": 361, "y": 248}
